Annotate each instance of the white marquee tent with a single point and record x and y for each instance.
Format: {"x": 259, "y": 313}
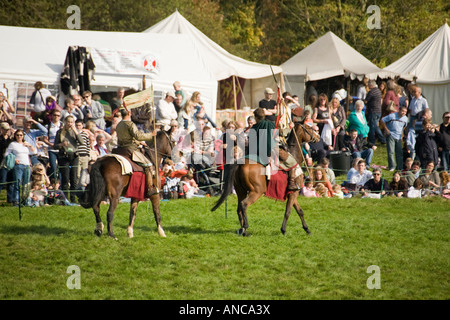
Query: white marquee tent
{"x": 222, "y": 63}
{"x": 429, "y": 64}
{"x": 31, "y": 54}
{"x": 327, "y": 57}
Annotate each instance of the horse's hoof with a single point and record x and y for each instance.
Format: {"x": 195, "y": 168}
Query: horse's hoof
{"x": 161, "y": 232}
{"x": 308, "y": 232}
{"x": 130, "y": 232}
{"x": 112, "y": 236}
{"x": 98, "y": 232}
{"x": 283, "y": 231}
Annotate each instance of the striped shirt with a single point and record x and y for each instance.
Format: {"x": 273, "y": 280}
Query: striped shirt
{"x": 83, "y": 149}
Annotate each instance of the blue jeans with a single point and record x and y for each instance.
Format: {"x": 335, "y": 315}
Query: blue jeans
{"x": 372, "y": 120}
{"x": 446, "y": 159}
{"x": 394, "y": 153}
{"x": 6, "y": 179}
{"x": 21, "y": 176}
{"x": 53, "y": 170}
{"x": 366, "y": 155}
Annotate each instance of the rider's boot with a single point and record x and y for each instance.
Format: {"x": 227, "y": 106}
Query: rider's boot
{"x": 151, "y": 189}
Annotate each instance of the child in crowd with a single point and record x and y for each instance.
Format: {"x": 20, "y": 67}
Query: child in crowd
{"x": 308, "y": 189}
{"x": 321, "y": 190}
{"x": 445, "y": 184}
{"x": 56, "y": 196}
{"x": 308, "y": 118}
{"x": 416, "y": 190}
{"x": 190, "y": 187}
{"x": 337, "y": 191}
{"x": 38, "y": 186}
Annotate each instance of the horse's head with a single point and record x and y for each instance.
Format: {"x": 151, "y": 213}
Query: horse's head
{"x": 306, "y": 133}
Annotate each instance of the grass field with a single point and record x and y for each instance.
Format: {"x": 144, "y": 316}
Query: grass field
{"x": 203, "y": 258}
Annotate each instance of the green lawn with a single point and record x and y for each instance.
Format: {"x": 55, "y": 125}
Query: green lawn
{"x": 203, "y": 258}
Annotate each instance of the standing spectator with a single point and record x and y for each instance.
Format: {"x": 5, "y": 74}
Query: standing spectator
{"x": 38, "y": 97}
{"x": 269, "y": 105}
{"x": 93, "y": 110}
{"x": 6, "y": 110}
{"x": 66, "y": 141}
{"x": 444, "y": 143}
{"x": 71, "y": 108}
{"x": 322, "y": 112}
{"x": 359, "y": 147}
{"x": 391, "y": 95}
{"x": 6, "y": 137}
{"x": 53, "y": 128}
{"x": 394, "y": 124}
{"x": 373, "y": 112}
{"x": 165, "y": 111}
{"x": 100, "y": 146}
{"x": 186, "y": 116}
{"x": 83, "y": 154}
{"x": 117, "y": 101}
{"x": 418, "y": 104}
{"x": 363, "y": 89}
{"x": 31, "y": 136}
{"x": 426, "y": 146}
{"x": 413, "y": 174}
{"x": 21, "y": 172}
{"x": 339, "y": 120}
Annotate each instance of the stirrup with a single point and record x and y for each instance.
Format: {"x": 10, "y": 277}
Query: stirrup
{"x": 152, "y": 191}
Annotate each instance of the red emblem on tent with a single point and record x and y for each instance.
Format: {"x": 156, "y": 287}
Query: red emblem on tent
{"x": 150, "y": 63}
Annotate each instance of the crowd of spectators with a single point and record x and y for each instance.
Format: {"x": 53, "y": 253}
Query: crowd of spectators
{"x": 46, "y": 161}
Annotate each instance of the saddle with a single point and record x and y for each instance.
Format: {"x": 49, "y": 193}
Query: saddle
{"x": 125, "y": 153}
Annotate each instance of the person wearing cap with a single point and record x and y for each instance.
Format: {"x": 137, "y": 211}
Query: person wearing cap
{"x": 6, "y": 137}
{"x": 269, "y": 105}
{"x": 130, "y": 141}
{"x": 93, "y": 110}
{"x": 31, "y": 135}
{"x": 165, "y": 111}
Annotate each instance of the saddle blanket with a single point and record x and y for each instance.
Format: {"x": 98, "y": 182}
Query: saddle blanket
{"x": 124, "y": 163}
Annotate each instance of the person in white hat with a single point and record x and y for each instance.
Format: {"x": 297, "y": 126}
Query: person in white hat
{"x": 165, "y": 111}
{"x": 269, "y": 105}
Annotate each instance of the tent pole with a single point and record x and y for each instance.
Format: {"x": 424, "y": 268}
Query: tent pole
{"x": 235, "y": 99}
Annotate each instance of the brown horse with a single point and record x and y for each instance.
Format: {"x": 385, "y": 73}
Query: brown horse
{"x": 106, "y": 179}
{"x": 250, "y": 182}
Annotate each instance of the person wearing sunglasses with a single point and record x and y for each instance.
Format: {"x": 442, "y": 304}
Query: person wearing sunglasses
{"x": 377, "y": 185}
{"x": 21, "y": 172}
{"x": 93, "y": 110}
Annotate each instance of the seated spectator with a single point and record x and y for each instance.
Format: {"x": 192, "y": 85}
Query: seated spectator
{"x": 414, "y": 173}
{"x": 416, "y": 191}
{"x": 337, "y": 192}
{"x": 322, "y": 191}
{"x": 38, "y": 188}
{"x": 377, "y": 185}
{"x": 359, "y": 147}
{"x": 190, "y": 187}
{"x": 56, "y": 196}
{"x": 200, "y": 109}
{"x": 399, "y": 186}
{"x": 324, "y": 163}
{"x": 319, "y": 177}
{"x": 100, "y": 146}
{"x": 318, "y": 150}
{"x": 407, "y": 165}
{"x": 359, "y": 177}
{"x": 308, "y": 189}
{"x": 445, "y": 184}
{"x": 430, "y": 179}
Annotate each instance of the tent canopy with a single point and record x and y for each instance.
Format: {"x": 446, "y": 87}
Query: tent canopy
{"x": 222, "y": 63}
{"x": 429, "y": 64}
{"x": 32, "y": 54}
{"x": 429, "y": 61}
{"x": 327, "y": 57}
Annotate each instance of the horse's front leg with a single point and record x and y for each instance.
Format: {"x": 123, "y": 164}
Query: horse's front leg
{"x": 133, "y": 209}
{"x": 155, "y": 204}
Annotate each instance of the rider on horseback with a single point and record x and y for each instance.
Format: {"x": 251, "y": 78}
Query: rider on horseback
{"x": 287, "y": 161}
{"x": 129, "y": 137}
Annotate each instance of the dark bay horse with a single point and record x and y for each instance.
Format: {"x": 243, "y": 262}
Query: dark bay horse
{"x": 106, "y": 179}
{"x": 250, "y": 182}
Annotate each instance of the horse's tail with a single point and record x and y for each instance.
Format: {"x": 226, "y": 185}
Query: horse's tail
{"x": 96, "y": 189}
{"x": 228, "y": 186}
